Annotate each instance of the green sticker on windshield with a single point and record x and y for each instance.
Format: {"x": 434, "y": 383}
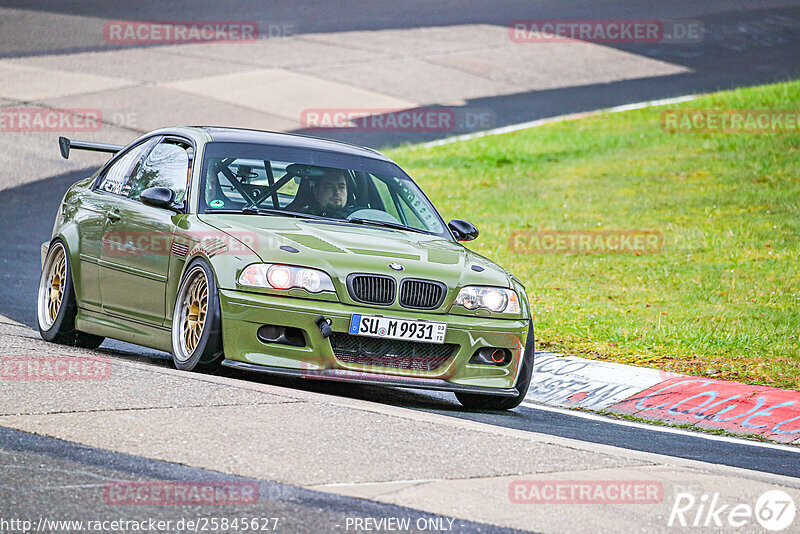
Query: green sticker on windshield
{"x": 216, "y": 203}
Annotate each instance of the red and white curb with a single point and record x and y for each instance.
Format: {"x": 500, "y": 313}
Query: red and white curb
{"x": 571, "y": 382}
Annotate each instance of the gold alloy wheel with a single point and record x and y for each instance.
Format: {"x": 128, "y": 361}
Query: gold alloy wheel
{"x": 53, "y": 286}
{"x": 194, "y": 308}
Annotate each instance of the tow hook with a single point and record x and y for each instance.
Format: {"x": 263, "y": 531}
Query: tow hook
{"x": 324, "y": 326}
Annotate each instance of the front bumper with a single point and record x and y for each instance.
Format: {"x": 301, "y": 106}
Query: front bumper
{"x": 244, "y": 313}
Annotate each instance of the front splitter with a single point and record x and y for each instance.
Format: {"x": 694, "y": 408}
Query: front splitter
{"x": 357, "y": 377}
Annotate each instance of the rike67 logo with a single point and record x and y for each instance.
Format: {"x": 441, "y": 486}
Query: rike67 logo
{"x": 774, "y": 510}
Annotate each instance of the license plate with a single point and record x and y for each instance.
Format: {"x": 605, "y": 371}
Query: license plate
{"x": 389, "y": 328}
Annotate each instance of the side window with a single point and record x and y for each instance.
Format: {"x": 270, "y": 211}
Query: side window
{"x": 115, "y": 179}
{"x": 166, "y": 166}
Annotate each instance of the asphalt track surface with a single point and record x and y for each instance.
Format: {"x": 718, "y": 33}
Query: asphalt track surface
{"x": 50, "y": 479}
{"x": 745, "y": 43}
{"x": 26, "y": 217}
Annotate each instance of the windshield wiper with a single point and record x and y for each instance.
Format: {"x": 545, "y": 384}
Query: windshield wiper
{"x": 387, "y": 224}
{"x": 252, "y": 210}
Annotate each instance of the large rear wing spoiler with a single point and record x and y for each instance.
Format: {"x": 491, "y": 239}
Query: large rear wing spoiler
{"x": 65, "y": 144}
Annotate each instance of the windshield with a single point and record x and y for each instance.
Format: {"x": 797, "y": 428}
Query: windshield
{"x": 259, "y": 179}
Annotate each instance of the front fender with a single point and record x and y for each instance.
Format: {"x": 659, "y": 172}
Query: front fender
{"x": 226, "y": 255}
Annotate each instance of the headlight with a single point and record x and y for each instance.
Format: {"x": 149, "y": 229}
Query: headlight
{"x": 494, "y": 299}
{"x": 285, "y": 277}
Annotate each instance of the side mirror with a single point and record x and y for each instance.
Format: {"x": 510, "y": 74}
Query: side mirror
{"x": 463, "y": 230}
{"x": 159, "y": 197}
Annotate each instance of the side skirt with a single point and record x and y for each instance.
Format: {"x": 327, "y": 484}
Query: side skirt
{"x": 155, "y": 337}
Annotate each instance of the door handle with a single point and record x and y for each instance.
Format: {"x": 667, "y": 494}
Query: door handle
{"x": 113, "y": 216}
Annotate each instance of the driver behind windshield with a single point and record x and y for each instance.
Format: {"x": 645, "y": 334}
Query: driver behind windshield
{"x": 329, "y": 195}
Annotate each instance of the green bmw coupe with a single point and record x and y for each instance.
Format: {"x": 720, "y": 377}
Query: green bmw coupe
{"x": 281, "y": 254}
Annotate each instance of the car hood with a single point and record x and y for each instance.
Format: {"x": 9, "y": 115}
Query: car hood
{"x": 340, "y": 248}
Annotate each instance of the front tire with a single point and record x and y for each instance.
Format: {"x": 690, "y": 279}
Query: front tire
{"x": 56, "y": 306}
{"x": 475, "y": 401}
{"x": 196, "y": 321}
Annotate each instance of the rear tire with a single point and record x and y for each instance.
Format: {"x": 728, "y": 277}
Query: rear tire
{"x": 56, "y": 306}
{"x": 196, "y": 321}
{"x": 474, "y": 401}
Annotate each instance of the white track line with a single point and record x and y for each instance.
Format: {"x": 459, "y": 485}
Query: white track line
{"x": 560, "y": 118}
{"x": 659, "y": 428}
